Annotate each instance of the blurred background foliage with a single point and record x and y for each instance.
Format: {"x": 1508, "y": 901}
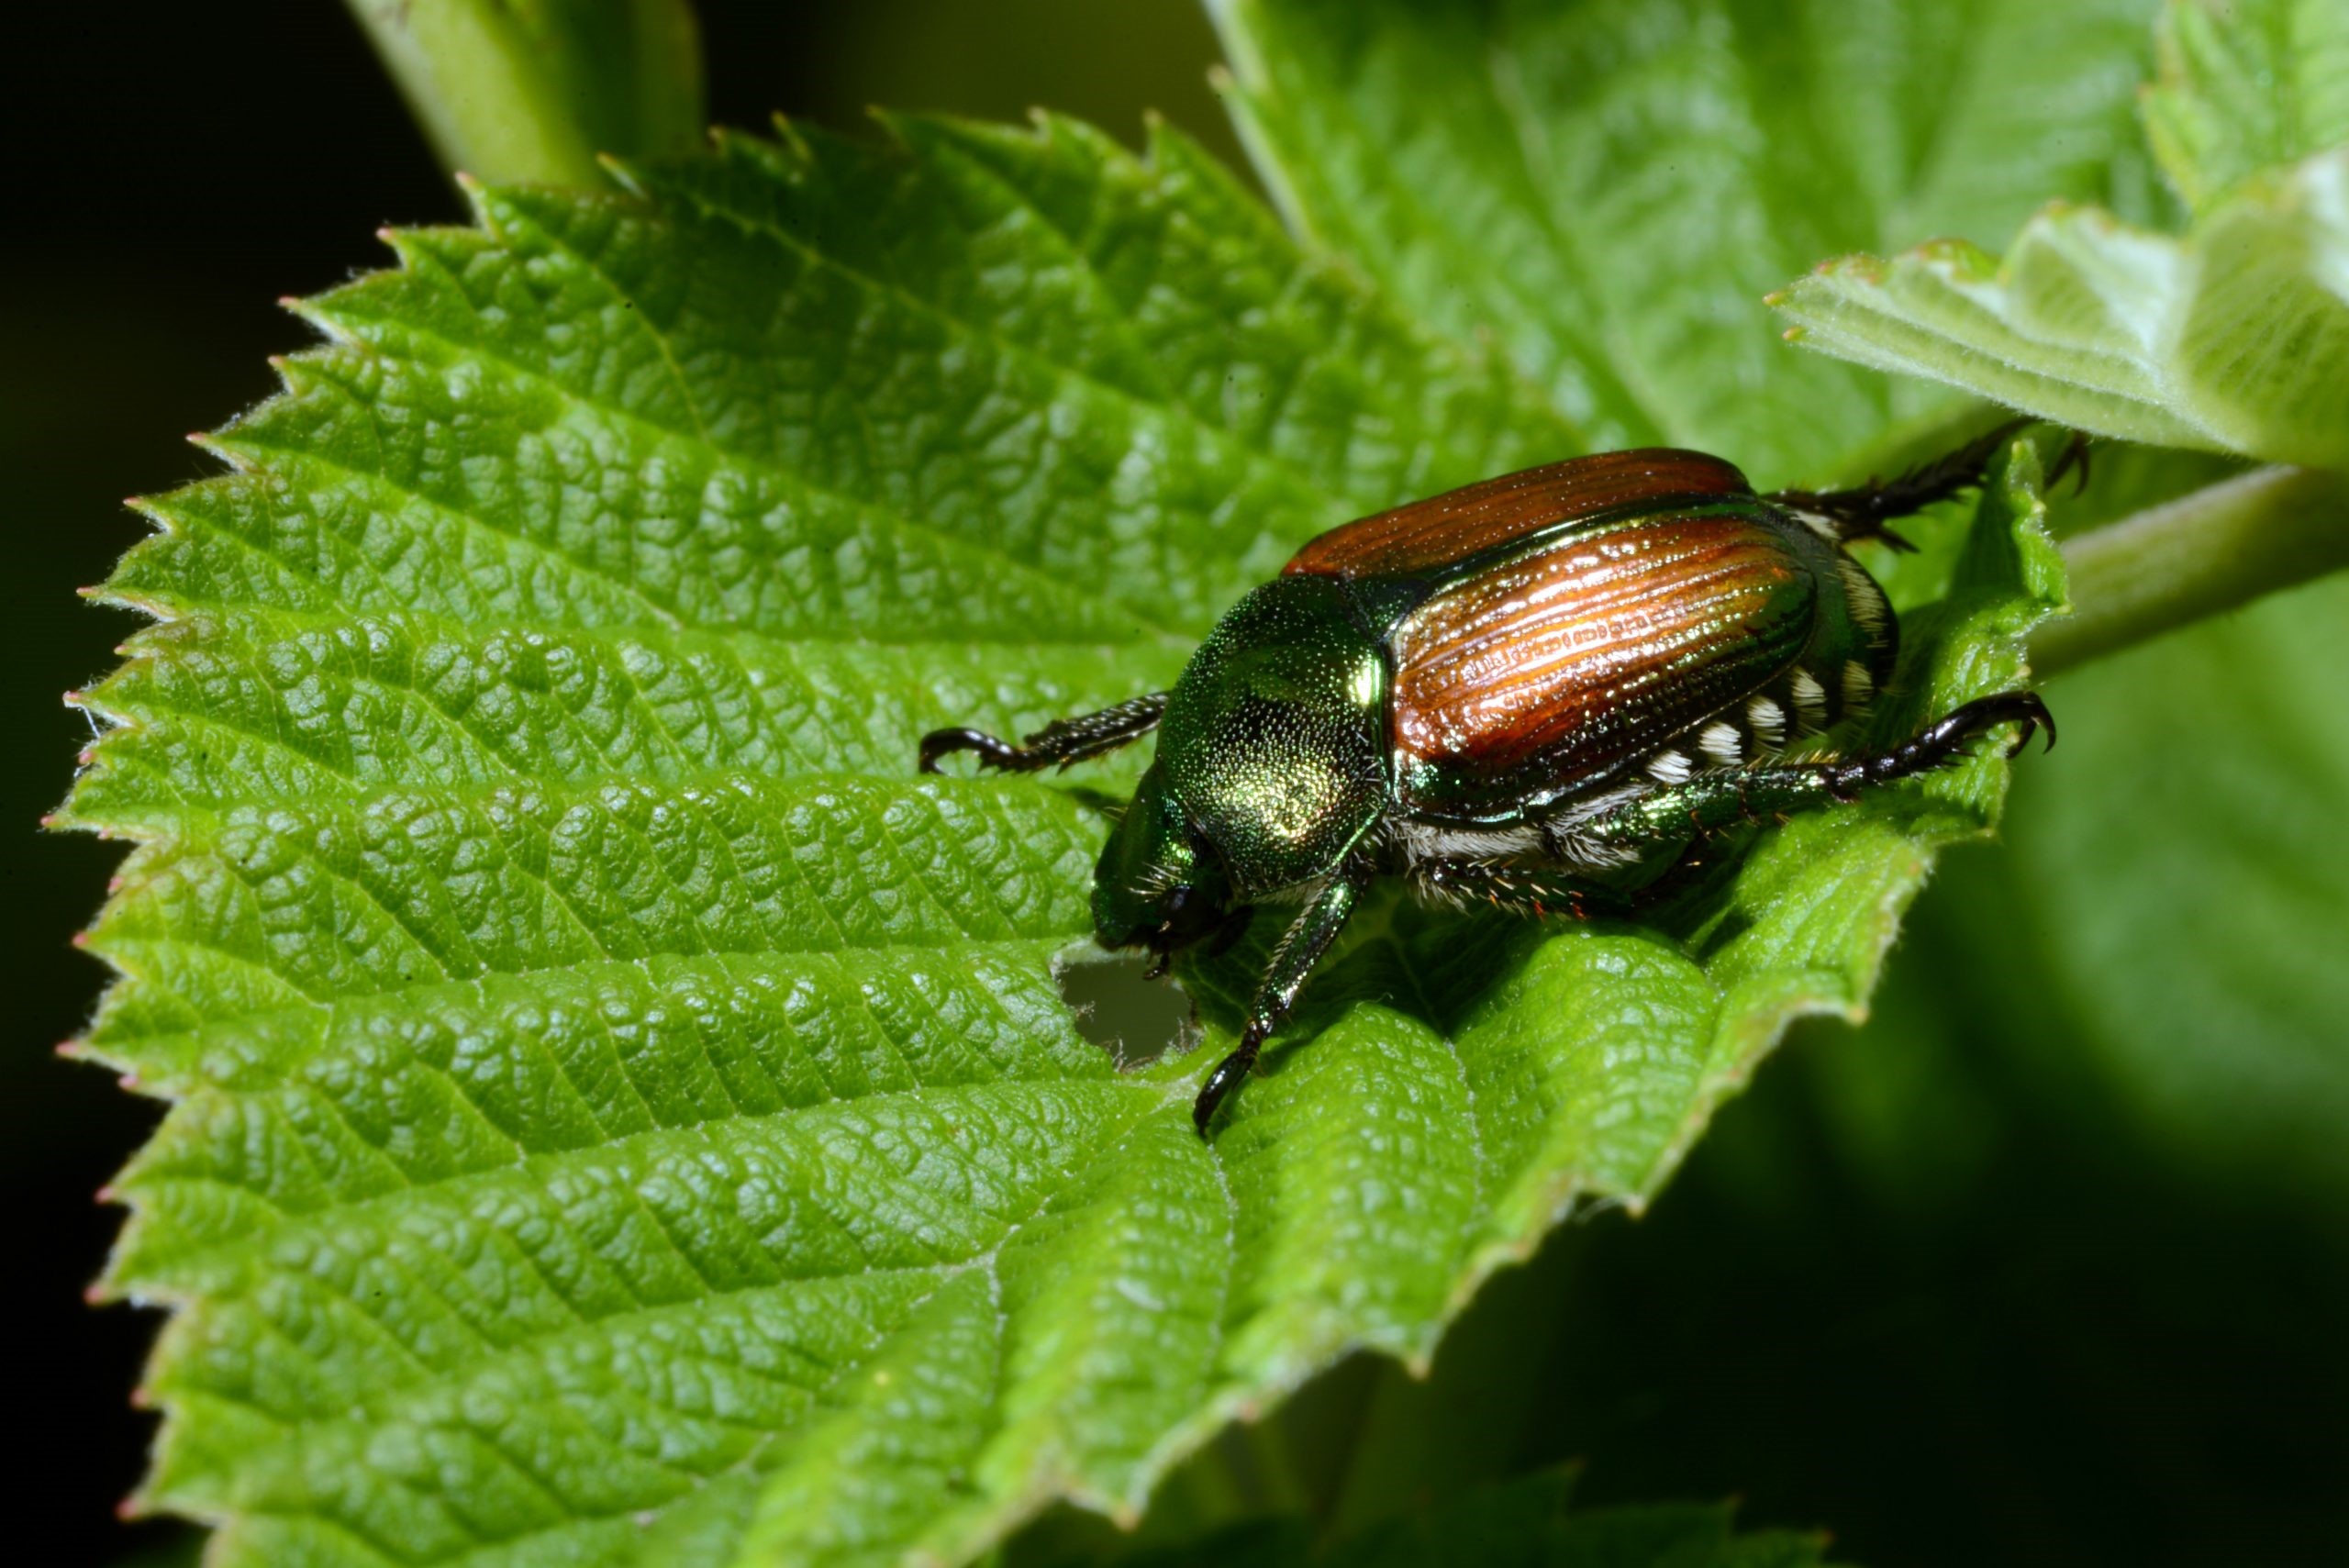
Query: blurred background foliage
{"x": 2049, "y": 1263}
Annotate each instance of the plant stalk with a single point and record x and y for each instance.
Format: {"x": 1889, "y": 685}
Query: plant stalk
{"x": 536, "y": 90}
{"x": 2202, "y": 554}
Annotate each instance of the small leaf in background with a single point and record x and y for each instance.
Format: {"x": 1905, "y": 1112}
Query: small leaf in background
{"x": 2232, "y": 335}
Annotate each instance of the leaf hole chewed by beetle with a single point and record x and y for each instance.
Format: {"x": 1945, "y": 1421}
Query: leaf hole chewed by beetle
{"x": 1135, "y": 1020}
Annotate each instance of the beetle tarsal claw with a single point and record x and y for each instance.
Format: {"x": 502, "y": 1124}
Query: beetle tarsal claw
{"x": 2033, "y": 715}
{"x": 1228, "y": 1072}
{"x": 992, "y": 753}
{"x": 2074, "y": 455}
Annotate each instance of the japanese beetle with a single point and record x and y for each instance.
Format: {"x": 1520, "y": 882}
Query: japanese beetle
{"x": 1539, "y": 691}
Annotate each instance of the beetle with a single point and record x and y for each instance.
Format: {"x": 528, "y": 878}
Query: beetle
{"x": 1539, "y": 692}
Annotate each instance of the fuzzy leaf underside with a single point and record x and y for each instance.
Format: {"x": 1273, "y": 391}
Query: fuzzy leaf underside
{"x": 620, "y": 1113}
{"x": 2230, "y": 337}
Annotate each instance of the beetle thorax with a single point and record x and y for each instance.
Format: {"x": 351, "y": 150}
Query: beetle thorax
{"x": 1275, "y": 740}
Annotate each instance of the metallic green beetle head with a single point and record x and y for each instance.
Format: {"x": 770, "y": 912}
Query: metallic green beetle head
{"x": 1159, "y": 884}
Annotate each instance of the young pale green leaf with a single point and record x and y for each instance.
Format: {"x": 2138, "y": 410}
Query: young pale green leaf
{"x": 1525, "y": 1523}
{"x": 540, "y": 89}
{"x": 2232, "y": 337}
{"x": 619, "y": 1112}
{"x": 1605, "y": 189}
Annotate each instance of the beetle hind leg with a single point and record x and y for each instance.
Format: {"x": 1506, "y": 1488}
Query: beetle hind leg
{"x": 1944, "y": 739}
{"x": 1862, "y": 512}
{"x": 1058, "y": 744}
{"x": 1722, "y": 798}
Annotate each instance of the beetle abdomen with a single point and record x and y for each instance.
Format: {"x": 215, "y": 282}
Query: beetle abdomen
{"x": 1575, "y": 659}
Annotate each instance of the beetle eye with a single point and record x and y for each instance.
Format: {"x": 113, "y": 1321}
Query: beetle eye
{"x": 1185, "y": 913}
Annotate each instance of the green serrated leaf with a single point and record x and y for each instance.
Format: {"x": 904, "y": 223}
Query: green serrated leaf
{"x": 1604, "y": 189}
{"x": 619, "y": 1112}
{"x": 2232, "y": 337}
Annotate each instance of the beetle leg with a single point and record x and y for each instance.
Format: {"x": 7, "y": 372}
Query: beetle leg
{"x": 1293, "y": 962}
{"x": 1710, "y": 802}
{"x": 1944, "y": 739}
{"x": 1863, "y": 512}
{"x": 1061, "y": 743}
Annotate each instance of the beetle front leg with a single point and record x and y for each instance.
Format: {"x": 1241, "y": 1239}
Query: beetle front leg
{"x": 1061, "y": 743}
{"x": 1309, "y": 937}
{"x": 1863, "y": 511}
{"x": 1713, "y": 801}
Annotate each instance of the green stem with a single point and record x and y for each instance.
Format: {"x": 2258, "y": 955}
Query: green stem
{"x": 538, "y": 90}
{"x": 2212, "y": 551}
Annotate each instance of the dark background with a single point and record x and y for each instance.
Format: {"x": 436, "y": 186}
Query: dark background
{"x": 2019, "y": 1330}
